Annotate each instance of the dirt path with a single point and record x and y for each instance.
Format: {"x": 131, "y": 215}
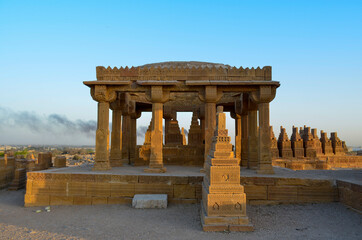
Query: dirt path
{"x": 309, "y": 221}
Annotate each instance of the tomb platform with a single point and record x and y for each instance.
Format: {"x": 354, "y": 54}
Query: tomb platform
{"x": 80, "y": 185}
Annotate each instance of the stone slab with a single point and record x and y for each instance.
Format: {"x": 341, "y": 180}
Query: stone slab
{"x": 149, "y": 201}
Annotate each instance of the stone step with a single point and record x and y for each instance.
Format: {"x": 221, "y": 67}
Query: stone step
{"x": 149, "y": 201}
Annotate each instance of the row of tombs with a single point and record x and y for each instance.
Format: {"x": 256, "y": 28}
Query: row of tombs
{"x": 176, "y": 151}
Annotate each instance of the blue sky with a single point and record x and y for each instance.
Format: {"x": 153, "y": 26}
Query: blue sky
{"x": 48, "y": 48}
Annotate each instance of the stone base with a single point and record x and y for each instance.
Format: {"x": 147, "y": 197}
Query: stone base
{"x": 155, "y": 170}
{"x": 149, "y": 201}
{"x": 222, "y": 224}
{"x": 101, "y": 166}
{"x": 265, "y": 169}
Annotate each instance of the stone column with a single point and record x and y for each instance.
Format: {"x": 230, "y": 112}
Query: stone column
{"x": 244, "y": 140}
{"x": 101, "y": 94}
{"x": 116, "y": 137}
{"x": 210, "y": 98}
{"x": 126, "y": 137}
{"x": 133, "y": 136}
{"x": 210, "y": 124}
{"x": 265, "y": 159}
{"x": 237, "y": 119}
{"x": 156, "y": 156}
{"x": 158, "y": 97}
{"x": 202, "y": 123}
{"x": 262, "y": 97}
{"x": 253, "y": 139}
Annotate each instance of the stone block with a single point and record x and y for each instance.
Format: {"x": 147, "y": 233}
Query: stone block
{"x": 122, "y": 189}
{"x": 31, "y": 200}
{"x": 119, "y": 200}
{"x": 61, "y": 200}
{"x": 124, "y": 178}
{"x": 256, "y": 192}
{"x": 179, "y": 180}
{"x": 37, "y": 187}
{"x": 98, "y": 189}
{"x": 184, "y": 191}
{"x": 317, "y": 194}
{"x": 57, "y": 188}
{"x": 79, "y": 200}
{"x": 149, "y": 201}
{"x": 83, "y": 178}
{"x": 283, "y": 193}
{"x": 144, "y": 188}
{"x": 60, "y": 162}
{"x": 77, "y": 188}
{"x": 99, "y": 200}
{"x": 183, "y": 201}
{"x": 103, "y": 178}
{"x": 154, "y": 179}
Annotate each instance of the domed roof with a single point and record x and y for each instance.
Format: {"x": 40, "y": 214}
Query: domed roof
{"x": 185, "y": 64}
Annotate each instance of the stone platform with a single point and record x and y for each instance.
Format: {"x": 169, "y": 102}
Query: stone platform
{"x": 81, "y": 186}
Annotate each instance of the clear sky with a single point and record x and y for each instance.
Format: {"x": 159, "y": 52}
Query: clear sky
{"x": 48, "y": 48}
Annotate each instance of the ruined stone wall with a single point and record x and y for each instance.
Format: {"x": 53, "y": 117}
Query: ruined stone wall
{"x": 7, "y": 171}
{"x": 322, "y": 163}
{"x": 350, "y": 194}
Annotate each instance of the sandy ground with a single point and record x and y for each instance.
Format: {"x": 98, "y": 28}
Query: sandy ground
{"x": 308, "y": 221}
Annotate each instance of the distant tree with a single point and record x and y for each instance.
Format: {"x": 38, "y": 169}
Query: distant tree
{"x": 76, "y": 157}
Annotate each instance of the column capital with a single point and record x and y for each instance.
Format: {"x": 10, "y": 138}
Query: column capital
{"x": 265, "y": 94}
{"x": 157, "y": 94}
{"x": 210, "y": 94}
{"x": 242, "y": 104}
{"x": 235, "y": 115}
{"x": 136, "y": 114}
{"x": 101, "y": 93}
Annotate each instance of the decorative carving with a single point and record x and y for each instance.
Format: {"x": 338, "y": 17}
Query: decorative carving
{"x": 101, "y": 93}
{"x": 183, "y": 71}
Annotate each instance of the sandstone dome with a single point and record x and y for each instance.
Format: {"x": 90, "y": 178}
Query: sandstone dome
{"x": 185, "y": 64}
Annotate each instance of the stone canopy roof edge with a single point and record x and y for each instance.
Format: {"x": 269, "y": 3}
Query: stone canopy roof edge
{"x": 115, "y": 73}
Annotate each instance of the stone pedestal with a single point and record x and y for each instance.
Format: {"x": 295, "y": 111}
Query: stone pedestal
{"x": 284, "y": 145}
{"x": 173, "y": 136}
{"x": 309, "y": 150}
{"x": 60, "y": 162}
{"x": 337, "y": 144}
{"x": 195, "y": 133}
{"x": 297, "y": 144}
{"x": 317, "y": 142}
{"x": 326, "y": 144}
{"x": 274, "y": 144}
{"x": 223, "y": 206}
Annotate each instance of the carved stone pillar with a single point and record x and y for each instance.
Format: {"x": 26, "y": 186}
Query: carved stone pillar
{"x": 133, "y": 137}
{"x": 202, "y": 123}
{"x": 158, "y": 97}
{"x": 265, "y": 158}
{"x": 253, "y": 139}
{"x": 238, "y": 133}
{"x": 116, "y": 137}
{"x": 101, "y": 94}
{"x": 244, "y": 140}
{"x": 262, "y": 97}
{"x": 210, "y": 97}
{"x": 126, "y": 137}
